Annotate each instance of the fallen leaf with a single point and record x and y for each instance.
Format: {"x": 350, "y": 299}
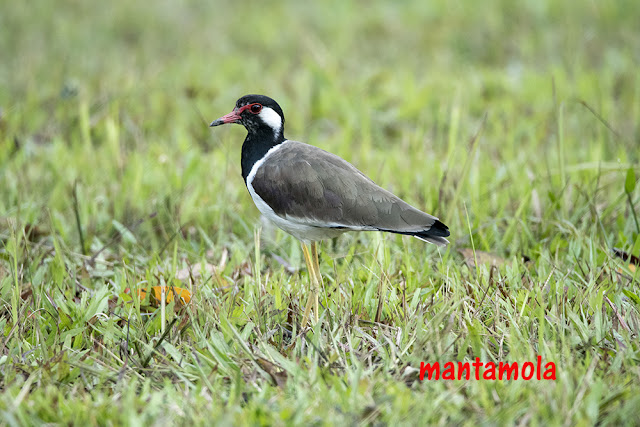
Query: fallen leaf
{"x": 485, "y": 258}
{"x": 181, "y": 295}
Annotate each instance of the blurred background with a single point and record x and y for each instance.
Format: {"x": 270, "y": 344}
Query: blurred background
{"x": 117, "y": 95}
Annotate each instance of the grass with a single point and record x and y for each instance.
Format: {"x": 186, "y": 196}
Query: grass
{"x": 515, "y": 122}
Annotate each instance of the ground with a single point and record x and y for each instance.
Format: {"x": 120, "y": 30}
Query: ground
{"x": 516, "y": 123}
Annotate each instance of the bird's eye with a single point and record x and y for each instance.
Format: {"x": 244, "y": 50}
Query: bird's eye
{"x": 256, "y": 108}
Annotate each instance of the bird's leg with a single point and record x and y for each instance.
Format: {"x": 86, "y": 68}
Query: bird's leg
{"x": 316, "y": 268}
{"x": 312, "y": 277}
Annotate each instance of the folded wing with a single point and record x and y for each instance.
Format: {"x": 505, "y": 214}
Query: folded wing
{"x": 306, "y": 184}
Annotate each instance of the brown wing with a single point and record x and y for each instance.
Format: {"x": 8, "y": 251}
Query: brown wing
{"x": 306, "y": 183}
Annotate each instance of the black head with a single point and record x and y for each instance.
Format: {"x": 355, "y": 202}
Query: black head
{"x": 258, "y": 114}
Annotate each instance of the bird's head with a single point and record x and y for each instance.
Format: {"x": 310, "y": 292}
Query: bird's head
{"x": 257, "y": 113}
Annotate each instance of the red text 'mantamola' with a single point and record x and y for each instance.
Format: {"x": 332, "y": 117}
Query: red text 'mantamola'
{"x": 489, "y": 370}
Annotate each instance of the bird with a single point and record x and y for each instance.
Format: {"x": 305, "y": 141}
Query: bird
{"x": 313, "y": 194}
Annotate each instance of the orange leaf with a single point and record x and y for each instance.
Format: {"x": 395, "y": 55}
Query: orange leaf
{"x": 181, "y": 295}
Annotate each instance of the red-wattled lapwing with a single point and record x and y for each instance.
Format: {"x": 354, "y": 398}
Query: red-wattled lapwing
{"x": 315, "y": 195}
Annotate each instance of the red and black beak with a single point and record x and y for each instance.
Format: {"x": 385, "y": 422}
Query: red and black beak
{"x": 232, "y": 117}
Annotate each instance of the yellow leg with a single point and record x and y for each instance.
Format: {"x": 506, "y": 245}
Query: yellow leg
{"x": 316, "y": 270}
{"x": 313, "y": 294}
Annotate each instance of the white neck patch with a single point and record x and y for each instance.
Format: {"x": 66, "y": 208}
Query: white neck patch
{"x": 271, "y": 119}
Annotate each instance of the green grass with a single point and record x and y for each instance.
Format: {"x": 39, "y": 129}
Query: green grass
{"x": 514, "y": 122}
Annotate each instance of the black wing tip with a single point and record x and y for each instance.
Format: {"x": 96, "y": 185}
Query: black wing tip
{"x": 438, "y": 229}
{"x": 435, "y": 234}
